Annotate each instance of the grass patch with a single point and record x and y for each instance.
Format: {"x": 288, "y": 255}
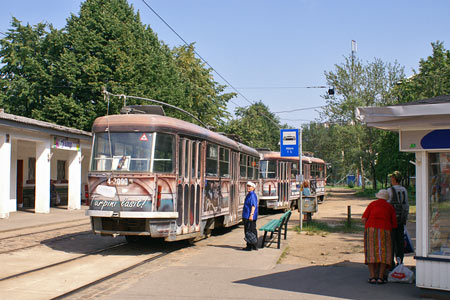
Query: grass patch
{"x": 317, "y": 227}
{"x": 283, "y": 255}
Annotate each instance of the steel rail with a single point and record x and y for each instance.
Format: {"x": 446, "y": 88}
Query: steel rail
{"x": 61, "y": 262}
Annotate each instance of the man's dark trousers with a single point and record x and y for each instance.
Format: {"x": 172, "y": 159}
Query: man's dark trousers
{"x": 250, "y": 226}
{"x": 398, "y": 243}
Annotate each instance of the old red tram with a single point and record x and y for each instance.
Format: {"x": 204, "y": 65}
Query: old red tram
{"x": 157, "y": 176}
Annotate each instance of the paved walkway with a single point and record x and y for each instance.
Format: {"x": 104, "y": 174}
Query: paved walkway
{"x": 216, "y": 268}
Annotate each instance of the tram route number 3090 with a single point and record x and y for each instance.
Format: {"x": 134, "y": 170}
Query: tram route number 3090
{"x": 117, "y": 181}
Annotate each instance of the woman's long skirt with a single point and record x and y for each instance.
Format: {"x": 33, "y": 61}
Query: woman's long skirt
{"x": 377, "y": 246}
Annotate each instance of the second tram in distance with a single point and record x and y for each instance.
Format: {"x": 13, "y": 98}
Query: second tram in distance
{"x": 279, "y": 185}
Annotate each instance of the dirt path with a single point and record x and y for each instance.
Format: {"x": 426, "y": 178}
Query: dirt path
{"x": 330, "y": 248}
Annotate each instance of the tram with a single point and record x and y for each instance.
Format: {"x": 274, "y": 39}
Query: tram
{"x": 280, "y": 184}
{"x": 157, "y": 176}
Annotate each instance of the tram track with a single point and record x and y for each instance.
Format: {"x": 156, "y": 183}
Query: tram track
{"x": 38, "y": 232}
{"x": 68, "y": 277}
{"x": 116, "y": 274}
{"x": 9, "y": 251}
{"x": 29, "y": 240}
{"x": 61, "y": 262}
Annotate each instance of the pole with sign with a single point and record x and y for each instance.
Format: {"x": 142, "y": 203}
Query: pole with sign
{"x": 300, "y": 179}
{"x": 291, "y": 145}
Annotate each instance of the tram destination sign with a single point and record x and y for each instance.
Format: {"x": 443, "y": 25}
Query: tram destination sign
{"x": 289, "y": 142}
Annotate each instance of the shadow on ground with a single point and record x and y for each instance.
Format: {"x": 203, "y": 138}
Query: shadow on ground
{"x": 344, "y": 280}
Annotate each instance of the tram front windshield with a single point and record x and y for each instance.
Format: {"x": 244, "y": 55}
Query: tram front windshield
{"x": 267, "y": 169}
{"x": 133, "y": 152}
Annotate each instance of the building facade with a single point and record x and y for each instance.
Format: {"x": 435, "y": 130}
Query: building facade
{"x": 43, "y": 165}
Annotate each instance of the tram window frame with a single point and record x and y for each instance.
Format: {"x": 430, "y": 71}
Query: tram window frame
{"x": 199, "y": 159}
{"x": 212, "y": 162}
{"x": 256, "y": 168}
{"x": 294, "y": 170}
{"x": 186, "y": 158}
{"x": 193, "y": 158}
{"x": 249, "y": 167}
{"x": 224, "y": 162}
{"x": 243, "y": 165}
{"x": 180, "y": 157}
{"x": 167, "y": 163}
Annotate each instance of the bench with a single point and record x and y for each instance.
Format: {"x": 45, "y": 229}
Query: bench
{"x": 275, "y": 226}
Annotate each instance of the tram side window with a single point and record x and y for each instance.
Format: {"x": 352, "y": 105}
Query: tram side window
{"x": 224, "y": 162}
{"x": 180, "y": 157}
{"x": 294, "y": 170}
{"x": 272, "y": 169}
{"x": 243, "y": 165}
{"x": 211, "y": 160}
{"x": 252, "y": 170}
{"x": 164, "y": 153}
{"x": 314, "y": 171}
{"x": 320, "y": 171}
{"x": 193, "y": 155}
{"x": 256, "y": 168}
{"x": 199, "y": 160}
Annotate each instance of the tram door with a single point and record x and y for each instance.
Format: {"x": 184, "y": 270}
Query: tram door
{"x": 283, "y": 184}
{"x": 234, "y": 191}
{"x": 189, "y": 188}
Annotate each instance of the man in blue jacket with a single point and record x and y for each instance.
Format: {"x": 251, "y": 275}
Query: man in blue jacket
{"x": 249, "y": 216}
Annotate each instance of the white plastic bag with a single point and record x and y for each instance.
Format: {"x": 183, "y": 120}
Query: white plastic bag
{"x": 401, "y": 274}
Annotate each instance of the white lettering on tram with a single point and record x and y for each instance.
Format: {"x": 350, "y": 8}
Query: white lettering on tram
{"x": 135, "y": 203}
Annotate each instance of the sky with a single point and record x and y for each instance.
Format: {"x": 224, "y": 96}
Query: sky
{"x": 277, "y": 51}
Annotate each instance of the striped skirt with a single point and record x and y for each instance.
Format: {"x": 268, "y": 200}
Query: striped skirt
{"x": 377, "y": 246}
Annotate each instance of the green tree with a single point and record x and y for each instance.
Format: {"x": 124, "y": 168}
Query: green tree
{"x": 203, "y": 96}
{"x": 255, "y": 126}
{"x": 431, "y": 80}
{"x": 360, "y": 84}
{"x": 58, "y": 76}
{"x": 26, "y": 54}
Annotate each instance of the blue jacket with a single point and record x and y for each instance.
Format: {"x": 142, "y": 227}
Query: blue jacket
{"x": 250, "y": 200}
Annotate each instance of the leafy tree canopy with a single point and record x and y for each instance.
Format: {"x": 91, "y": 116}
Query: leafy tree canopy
{"x": 58, "y": 75}
{"x": 256, "y": 126}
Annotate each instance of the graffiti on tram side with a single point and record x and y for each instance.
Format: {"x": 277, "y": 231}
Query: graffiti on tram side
{"x": 126, "y": 204}
{"x": 216, "y": 196}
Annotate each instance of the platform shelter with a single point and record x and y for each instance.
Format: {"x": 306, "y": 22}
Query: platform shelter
{"x": 424, "y": 129}
{"x": 42, "y": 165}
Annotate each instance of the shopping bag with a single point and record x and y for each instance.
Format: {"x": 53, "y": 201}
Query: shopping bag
{"x": 250, "y": 238}
{"x": 409, "y": 248}
{"x": 401, "y": 274}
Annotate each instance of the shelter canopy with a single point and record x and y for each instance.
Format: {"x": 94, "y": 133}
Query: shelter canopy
{"x": 426, "y": 114}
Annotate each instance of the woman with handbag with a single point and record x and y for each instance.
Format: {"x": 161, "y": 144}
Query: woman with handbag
{"x": 249, "y": 216}
{"x": 379, "y": 219}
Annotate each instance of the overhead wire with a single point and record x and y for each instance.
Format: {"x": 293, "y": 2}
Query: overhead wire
{"x": 206, "y": 62}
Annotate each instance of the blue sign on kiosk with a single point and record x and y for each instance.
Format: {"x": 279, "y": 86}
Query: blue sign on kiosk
{"x": 289, "y": 142}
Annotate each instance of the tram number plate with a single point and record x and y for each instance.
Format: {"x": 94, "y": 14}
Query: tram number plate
{"x": 117, "y": 181}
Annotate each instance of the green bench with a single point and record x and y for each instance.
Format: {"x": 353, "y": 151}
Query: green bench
{"x": 275, "y": 226}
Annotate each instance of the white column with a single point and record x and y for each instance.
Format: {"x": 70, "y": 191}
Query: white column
{"x": 5, "y": 163}
{"x": 74, "y": 193}
{"x": 13, "y": 174}
{"x": 42, "y": 194}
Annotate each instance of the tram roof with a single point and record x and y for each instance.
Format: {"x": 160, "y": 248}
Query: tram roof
{"x": 147, "y": 122}
{"x": 273, "y": 155}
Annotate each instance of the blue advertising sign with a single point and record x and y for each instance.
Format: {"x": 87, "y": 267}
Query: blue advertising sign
{"x": 289, "y": 142}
